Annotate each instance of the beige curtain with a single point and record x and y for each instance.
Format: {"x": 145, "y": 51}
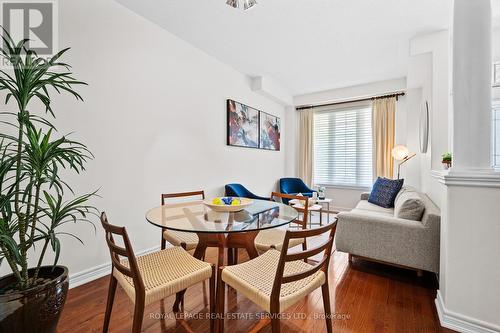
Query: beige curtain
{"x": 306, "y": 145}
{"x": 383, "y": 118}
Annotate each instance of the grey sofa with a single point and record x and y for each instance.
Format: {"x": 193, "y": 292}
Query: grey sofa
{"x": 374, "y": 232}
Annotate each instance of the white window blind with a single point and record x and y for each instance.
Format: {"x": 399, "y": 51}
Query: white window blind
{"x": 343, "y": 146}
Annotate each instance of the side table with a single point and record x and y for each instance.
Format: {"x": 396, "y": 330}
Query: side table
{"x": 312, "y": 208}
{"x": 326, "y": 201}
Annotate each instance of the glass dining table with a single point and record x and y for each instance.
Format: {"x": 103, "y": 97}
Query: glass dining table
{"x": 223, "y": 230}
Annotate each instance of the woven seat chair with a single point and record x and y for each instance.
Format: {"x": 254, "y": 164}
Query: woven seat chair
{"x": 187, "y": 240}
{"x": 274, "y": 238}
{"x": 276, "y": 279}
{"x": 151, "y": 277}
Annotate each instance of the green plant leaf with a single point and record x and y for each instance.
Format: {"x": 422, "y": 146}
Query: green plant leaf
{"x": 56, "y": 247}
{"x": 32, "y": 186}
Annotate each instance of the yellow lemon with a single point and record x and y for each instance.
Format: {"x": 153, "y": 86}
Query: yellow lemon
{"x": 235, "y": 202}
{"x": 217, "y": 201}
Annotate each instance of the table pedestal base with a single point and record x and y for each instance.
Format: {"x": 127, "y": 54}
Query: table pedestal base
{"x": 232, "y": 242}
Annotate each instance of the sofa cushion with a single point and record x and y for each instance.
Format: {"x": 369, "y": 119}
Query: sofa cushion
{"x": 409, "y": 205}
{"x": 384, "y": 192}
{"x": 404, "y": 189}
{"x": 364, "y": 207}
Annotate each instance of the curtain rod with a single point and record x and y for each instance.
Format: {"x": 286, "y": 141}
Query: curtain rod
{"x": 396, "y": 94}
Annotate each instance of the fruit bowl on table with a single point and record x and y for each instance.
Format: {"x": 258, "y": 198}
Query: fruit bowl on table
{"x": 228, "y": 204}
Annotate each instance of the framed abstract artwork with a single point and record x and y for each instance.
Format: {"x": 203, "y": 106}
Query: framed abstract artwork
{"x": 242, "y": 125}
{"x": 270, "y": 131}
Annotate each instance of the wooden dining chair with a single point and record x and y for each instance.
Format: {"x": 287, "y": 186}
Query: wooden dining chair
{"x": 274, "y": 238}
{"x": 151, "y": 277}
{"x": 187, "y": 240}
{"x": 276, "y": 279}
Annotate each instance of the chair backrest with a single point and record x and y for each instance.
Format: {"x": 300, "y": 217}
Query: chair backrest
{"x": 116, "y": 251}
{"x": 293, "y": 185}
{"x": 236, "y": 190}
{"x": 285, "y": 198}
{"x": 181, "y": 195}
{"x": 325, "y": 247}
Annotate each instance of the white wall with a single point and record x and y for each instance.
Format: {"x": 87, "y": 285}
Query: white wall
{"x": 428, "y": 80}
{"x": 496, "y": 44}
{"x": 429, "y": 77}
{"x": 155, "y": 117}
{"x": 496, "y": 58}
{"x": 292, "y": 140}
{"x": 347, "y": 198}
{"x": 468, "y": 290}
{"x": 468, "y": 285}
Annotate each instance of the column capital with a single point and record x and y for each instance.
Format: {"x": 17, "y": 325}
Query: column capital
{"x": 473, "y": 178}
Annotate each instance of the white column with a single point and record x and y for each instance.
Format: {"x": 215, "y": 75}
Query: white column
{"x": 467, "y": 300}
{"x": 472, "y": 63}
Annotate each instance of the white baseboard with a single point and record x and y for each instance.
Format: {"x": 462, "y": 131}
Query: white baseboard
{"x": 461, "y": 323}
{"x": 96, "y": 272}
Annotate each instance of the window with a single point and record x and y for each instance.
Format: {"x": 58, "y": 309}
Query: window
{"x": 343, "y": 146}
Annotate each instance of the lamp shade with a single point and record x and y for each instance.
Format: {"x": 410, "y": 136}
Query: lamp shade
{"x": 400, "y": 152}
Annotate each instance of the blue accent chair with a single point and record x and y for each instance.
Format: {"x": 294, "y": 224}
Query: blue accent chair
{"x": 294, "y": 186}
{"x": 238, "y": 190}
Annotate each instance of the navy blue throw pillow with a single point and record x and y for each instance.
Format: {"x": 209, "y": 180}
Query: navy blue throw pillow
{"x": 384, "y": 192}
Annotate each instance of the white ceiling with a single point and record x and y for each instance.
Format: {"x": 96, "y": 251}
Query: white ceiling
{"x": 304, "y": 45}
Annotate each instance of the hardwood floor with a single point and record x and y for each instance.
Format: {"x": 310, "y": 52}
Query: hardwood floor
{"x": 365, "y": 297}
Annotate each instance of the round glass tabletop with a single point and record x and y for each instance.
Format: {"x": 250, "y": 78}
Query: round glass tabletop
{"x": 194, "y": 216}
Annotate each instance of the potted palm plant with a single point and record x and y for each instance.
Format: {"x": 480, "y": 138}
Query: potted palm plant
{"x": 34, "y": 199}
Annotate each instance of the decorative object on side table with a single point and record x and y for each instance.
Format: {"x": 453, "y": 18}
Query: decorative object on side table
{"x": 402, "y": 155}
{"x": 31, "y": 199}
{"x": 447, "y": 160}
{"x": 321, "y": 192}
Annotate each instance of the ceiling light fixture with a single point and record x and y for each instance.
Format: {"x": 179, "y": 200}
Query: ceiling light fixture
{"x": 247, "y": 4}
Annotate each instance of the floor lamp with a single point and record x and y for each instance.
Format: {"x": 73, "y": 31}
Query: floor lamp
{"x": 402, "y": 155}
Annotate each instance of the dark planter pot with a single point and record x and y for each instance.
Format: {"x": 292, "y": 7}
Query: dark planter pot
{"x": 36, "y": 310}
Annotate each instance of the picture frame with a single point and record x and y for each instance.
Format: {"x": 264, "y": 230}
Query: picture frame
{"x": 242, "y": 125}
{"x": 269, "y": 132}
{"x": 248, "y": 127}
